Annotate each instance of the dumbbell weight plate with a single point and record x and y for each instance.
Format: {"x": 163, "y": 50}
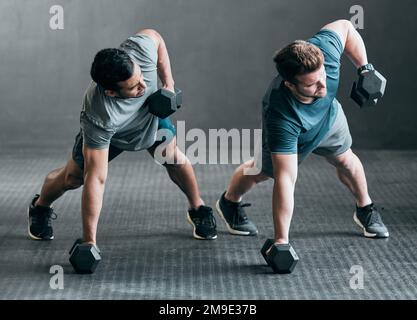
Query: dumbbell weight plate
{"x": 282, "y": 258}
{"x": 371, "y": 85}
{"x": 84, "y": 257}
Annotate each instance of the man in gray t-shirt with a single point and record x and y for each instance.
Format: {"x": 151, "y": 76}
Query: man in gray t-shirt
{"x": 122, "y": 119}
{"x": 115, "y": 118}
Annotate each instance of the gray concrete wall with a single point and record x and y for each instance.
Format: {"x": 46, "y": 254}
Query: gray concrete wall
{"x": 221, "y": 53}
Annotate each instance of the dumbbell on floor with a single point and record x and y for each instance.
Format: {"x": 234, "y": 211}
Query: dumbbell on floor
{"x": 84, "y": 257}
{"x": 282, "y": 258}
{"x": 369, "y": 88}
{"x": 163, "y": 102}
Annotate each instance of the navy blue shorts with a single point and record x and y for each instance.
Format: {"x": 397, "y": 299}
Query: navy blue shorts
{"x": 77, "y": 151}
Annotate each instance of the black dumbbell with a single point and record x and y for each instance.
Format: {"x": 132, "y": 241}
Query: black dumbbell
{"x": 369, "y": 88}
{"x": 84, "y": 257}
{"x": 282, "y": 258}
{"x": 163, "y": 102}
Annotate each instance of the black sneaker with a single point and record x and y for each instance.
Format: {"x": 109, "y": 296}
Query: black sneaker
{"x": 39, "y": 221}
{"x": 203, "y": 222}
{"x": 369, "y": 219}
{"x": 233, "y": 214}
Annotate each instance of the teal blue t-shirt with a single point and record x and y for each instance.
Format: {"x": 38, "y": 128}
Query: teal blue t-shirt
{"x": 290, "y": 126}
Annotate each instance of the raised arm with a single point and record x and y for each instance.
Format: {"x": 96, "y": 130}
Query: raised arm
{"x": 351, "y": 40}
{"x": 164, "y": 65}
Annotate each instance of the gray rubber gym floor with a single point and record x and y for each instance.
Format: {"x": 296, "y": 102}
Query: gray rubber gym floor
{"x": 148, "y": 251}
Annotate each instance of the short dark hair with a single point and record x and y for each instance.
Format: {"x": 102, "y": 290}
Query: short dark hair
{"x": 298, "y": 58}
{"x": 111, "y": 66}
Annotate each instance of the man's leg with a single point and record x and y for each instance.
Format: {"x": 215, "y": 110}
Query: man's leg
{"x": 336, "y": 149}
{"x": 351, "y": 173}
{"x": 241, "y": 183}
{"x": 182, "y": 174}
{"x": 230, "y": 206}
{"x": 56, "y": 183}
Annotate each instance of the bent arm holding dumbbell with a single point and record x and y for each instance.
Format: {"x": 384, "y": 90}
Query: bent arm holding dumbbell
{"x": 95, "y": 174}
{"x": 168, "y": 99}
{"x": 371, "y": 84}
{"x": 351, "y": 40}
{"x": 163, "y": 64}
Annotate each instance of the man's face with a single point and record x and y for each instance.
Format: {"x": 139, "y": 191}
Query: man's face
{"x": 134, "y": 86}
{"x": 313, "y": 84}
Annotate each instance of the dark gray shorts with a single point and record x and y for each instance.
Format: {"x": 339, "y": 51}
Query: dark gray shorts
{"x": 77, "y": 150}
{"x": 337, "y": 141}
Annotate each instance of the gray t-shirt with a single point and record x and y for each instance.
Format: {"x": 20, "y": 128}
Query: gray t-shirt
{"x": 124, "y": 123}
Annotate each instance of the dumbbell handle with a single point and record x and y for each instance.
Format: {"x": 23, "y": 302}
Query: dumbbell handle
{"x": 365, "y": 68}
{"x": 78, "y": 242}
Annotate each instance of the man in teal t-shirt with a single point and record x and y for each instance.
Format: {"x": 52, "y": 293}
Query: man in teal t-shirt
{"x": 301, "y": 116}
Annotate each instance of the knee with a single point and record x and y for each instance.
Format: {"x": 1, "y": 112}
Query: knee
{"x": 175, "y": 164}
{"x": 345, "y": 162}
{"x": 257, "y": 175}
{"x": 72, "y": 182}
{"x": 55, "y": 174}
{"x": 175, "y": 159}
{"x": 261, "y": 178}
